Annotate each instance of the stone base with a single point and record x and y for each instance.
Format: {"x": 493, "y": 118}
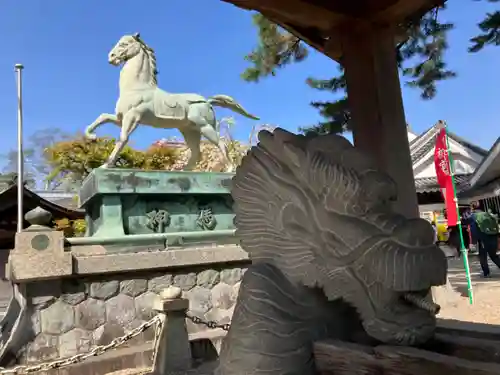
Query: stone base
{"x": 70, "y": 316}
{"x": 121, "y": 202}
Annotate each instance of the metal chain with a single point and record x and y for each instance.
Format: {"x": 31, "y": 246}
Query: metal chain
{"x": 98, "y": 350}
{"x": 209, "y": 323}
{"x": 158, "y": 321}
{"x": 156, "y": 340}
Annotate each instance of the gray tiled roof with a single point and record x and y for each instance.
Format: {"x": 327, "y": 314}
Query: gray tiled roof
{"x": 429, "y": 184}
{"x": 70, "y": 203}
{"x": 419, "y": 154}
{"x": 32, "y": 200}
{"x": 490, "y": 190}
{"x": 431, "y": 142}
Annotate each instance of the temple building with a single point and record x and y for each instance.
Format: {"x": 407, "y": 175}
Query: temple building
{"x": 484, "y": 184}
{"x": 59, "y": 204}
{"x": 477, "y": 171}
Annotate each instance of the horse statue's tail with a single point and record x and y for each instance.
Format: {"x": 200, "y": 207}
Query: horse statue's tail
{"x": 229, "y": 103}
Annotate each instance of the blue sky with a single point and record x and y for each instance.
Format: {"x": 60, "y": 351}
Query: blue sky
{"x": 200, "y": 46}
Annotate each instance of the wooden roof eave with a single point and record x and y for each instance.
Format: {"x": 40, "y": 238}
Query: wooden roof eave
{"x": 309, "y": 36}
{"x": 306, "y": 21}
{"x": 7, "y": 201}
{"x": 489, "y": 190}
{"x": 297, "y": 12}
{"x": 320, "y": 25}
{"x": 53, "y": 207}
{"x": 326, "y": 13}
{"x": 489, "y": 168}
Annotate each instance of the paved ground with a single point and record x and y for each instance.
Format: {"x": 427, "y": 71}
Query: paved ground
{"x": 455, "y": 303}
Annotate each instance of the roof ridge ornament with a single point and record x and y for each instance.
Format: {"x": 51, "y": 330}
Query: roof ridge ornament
{"x": 441, "y": 124}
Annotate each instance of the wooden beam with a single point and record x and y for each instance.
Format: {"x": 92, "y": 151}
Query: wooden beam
{"x": 308, "y": 36}
{"x": 328, "y": 46}
{"x": 341, "y": 358}
{"x": 470, "y": 348}
{"x": 468, "y": 329}
{"x": 295, "y": 15}
{"x": 283, "y": 17}
{"x": 299, "y": 12}
{"x": 403, "y": 9}
{"x": 417, "y": 362}
{"x": 354, "y": 8}
{"x": 350, "y": 8}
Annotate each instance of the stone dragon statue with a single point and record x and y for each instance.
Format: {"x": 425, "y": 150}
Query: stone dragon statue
{"x": 330, "y": 258}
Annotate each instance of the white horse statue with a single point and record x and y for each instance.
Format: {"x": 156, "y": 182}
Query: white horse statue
{"x": 142, "y": 102}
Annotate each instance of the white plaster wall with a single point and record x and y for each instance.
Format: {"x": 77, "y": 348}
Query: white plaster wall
{"x": 461, "y": 167}
{"x": 411, "y": 136}
{"x": 466, "y": 161}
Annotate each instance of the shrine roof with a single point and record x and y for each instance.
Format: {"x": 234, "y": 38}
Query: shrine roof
{"x": 488, "y": 190}
{"x": 421, "y": 145}
{"x": 430, "y": 184}
{"x": 8, "y": 200}
{"x": 489, "y": 169}
{"x": 317, "y": 21}
{"x": 485, "y": 181}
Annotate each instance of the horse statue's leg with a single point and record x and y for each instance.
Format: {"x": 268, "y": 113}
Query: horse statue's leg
{"x": 129, "y": 124}
{"x": 192, "y": 137}
{"x": 102, "y": 119}
{"x": 213, "y": 137}
{"x": 203, "y": 117}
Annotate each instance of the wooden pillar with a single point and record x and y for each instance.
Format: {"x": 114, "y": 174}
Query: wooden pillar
{"x": 373, "y": 86}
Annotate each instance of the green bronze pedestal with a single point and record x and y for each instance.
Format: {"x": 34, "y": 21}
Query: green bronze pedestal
{"x": 122, "y": 202}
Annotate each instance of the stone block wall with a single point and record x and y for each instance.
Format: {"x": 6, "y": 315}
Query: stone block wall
{"x": 69, "y": 316}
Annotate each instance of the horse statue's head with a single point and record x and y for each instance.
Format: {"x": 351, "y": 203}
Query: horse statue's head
{"x": 127, "y": 47}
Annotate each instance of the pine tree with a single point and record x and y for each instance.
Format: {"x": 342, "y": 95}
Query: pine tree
{"x": 420, "y": 59}
{"x": 490, "y": 31}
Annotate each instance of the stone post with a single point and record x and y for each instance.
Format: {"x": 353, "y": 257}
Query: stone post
{"x": 39, "y": 251}
{"x": 173, "y": 353}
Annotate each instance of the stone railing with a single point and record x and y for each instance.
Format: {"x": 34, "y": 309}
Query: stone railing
{"x": 171, "y": 346}
{"x": 80, "y": 295}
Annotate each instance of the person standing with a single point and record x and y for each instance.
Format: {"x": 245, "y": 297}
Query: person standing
{"x": 473, "y": 230}
{"x": 454, "y": 239}
{"x": 485, "y": 227}
{"x": 436, "y": 242}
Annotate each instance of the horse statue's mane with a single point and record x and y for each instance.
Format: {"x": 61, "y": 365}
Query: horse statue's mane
{"x": 152, "y": 60}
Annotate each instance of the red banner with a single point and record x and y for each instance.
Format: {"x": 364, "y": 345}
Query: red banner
{"x": 444, "y": 177}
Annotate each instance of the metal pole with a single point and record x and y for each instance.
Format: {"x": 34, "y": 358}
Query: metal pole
{"x": 20, "y": 155}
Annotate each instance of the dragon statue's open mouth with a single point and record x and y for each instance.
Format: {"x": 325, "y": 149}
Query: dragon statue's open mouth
{"x": 419, "y": 300}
